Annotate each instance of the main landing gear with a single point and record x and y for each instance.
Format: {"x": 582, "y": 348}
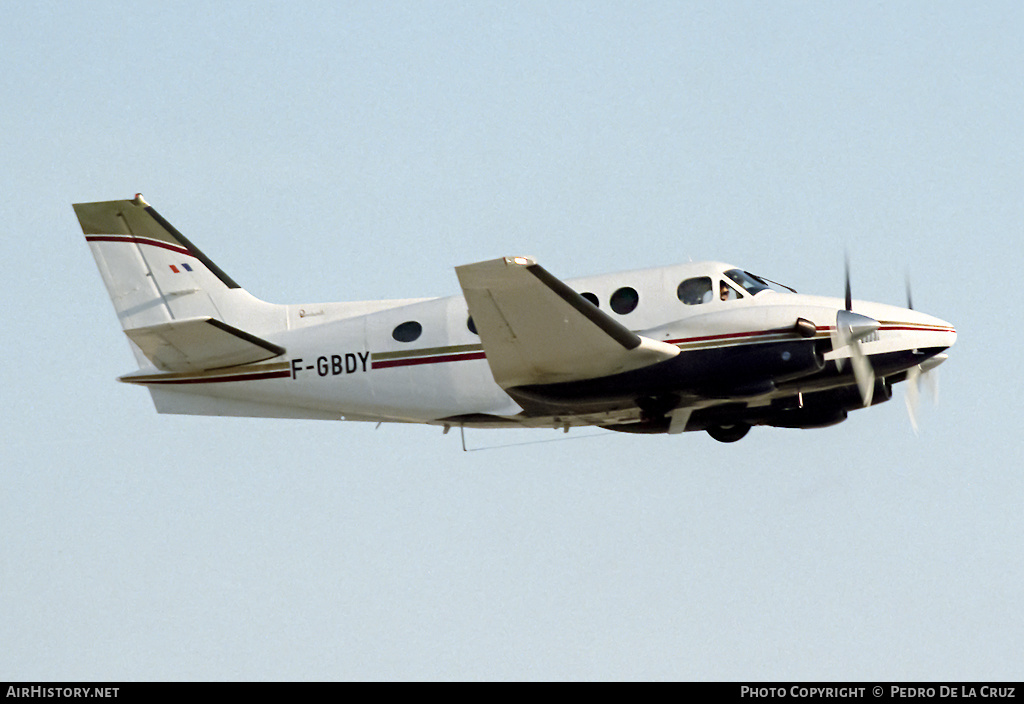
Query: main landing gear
{"x": 728, "y": 433}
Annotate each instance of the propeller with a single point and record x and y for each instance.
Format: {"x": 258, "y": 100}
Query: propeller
{"x": 851, "y": 328}
{"x": 915, "y": 375}
{"x": 849, "y": 292}
{"x": 921, "y": 372}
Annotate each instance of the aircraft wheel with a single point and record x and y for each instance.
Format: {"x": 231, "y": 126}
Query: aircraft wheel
{"x": 728, "y": 433}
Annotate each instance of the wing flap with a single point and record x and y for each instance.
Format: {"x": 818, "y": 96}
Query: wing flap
{"x": 199, "y": 344}
{"x": 536, "y": 330}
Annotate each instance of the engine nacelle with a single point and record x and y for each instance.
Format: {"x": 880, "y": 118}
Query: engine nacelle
{"x": 746, "y": 371}
{"x": 823, "y": 408}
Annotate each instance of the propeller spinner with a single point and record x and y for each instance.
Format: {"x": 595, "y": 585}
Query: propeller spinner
{"x": 851, "y": 329}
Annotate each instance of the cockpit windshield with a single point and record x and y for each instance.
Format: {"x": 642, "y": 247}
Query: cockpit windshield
{"x": 749, "y": 283}
{"x": 752, "y": 284}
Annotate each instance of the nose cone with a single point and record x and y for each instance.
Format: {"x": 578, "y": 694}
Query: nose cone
{"x": 931, "y": 331}
{"x": 910, "y": 329}
{"x": 950, "y": 334}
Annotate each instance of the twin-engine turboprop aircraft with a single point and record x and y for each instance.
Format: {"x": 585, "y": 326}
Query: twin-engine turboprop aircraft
{"x": 700, "y": 346}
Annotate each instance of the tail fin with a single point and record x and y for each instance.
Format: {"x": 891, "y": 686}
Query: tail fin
{"x": 152, "y": 273}
{"x": 172, "y": 301}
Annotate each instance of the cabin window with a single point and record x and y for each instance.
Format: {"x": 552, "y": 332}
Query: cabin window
{"x": 592, "y": 298}
{"x": 727, "y": 292}
{"x": 695, "y": 291}
{"x": 624, "y": 300}
{"x": 471, "y": 325}
{"x": 407, "y": 331}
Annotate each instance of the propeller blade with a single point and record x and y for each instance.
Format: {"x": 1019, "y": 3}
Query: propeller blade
{"x": 923, "y": 372}
{"x": 838, "y": 342}
{"x": 912, "y": 398}
{"x": 863, "y": 373}
{"x": 849, "y": 291}
{"x": 839, "y": 339}
{"x": 930, "y": 376}
{"x": 931, "y": 382}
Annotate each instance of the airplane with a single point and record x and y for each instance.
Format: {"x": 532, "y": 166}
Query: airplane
{"x": 689, "y": 347}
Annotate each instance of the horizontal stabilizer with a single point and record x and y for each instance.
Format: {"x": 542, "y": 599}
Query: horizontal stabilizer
{"x": 536, "y": 330}
{"x": 199, "y": 344}
{"x": 177, "y": 402}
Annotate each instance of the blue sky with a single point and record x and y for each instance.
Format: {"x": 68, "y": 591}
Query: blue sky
{"x": 340, "y": 151}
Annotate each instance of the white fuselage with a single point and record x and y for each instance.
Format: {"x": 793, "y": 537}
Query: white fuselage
{"x": 419, "y": 361}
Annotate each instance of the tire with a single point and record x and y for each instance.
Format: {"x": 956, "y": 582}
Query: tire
{"x": 728, "y": 433}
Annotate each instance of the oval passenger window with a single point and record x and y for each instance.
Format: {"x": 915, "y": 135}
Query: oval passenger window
{"x": 624, "y": 300}
{"x": 408, "y": 331}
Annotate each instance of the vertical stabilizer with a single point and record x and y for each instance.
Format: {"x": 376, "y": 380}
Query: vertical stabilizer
{"x": 162, "y": 286}
{"x": 152, "y": 272}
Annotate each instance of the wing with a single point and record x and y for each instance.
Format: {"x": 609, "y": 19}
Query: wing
{"x": 536, "y": 330}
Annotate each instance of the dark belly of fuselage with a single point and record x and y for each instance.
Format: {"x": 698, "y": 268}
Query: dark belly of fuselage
{"x": 730, "y": 374}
